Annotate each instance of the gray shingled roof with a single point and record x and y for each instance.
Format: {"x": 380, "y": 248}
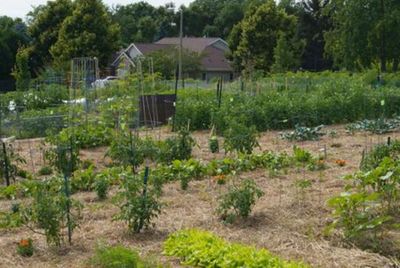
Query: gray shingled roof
{"x": 197, "y": 44}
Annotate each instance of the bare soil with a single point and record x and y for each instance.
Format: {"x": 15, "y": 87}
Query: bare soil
{"x": 287, "y": 221}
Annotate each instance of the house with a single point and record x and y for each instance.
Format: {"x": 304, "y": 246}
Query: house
{"x": 214, "y": 63}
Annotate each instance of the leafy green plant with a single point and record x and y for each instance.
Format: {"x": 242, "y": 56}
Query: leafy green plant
{"x": 239, "y": 200}
{"x": 129, "y": 150}
{"x": 378, "y": 126}
{"x": 303, "y": 134}
{"x": 25, "y": 247}
{"x": 138, "y": 203}
{"x": 115, "y": 257}
{"x": 214, "y": 144}
{"x": 48, "y": 211}
{"x": 44, "y": 171}
{"x": 204, "y": 249}
{"x": 9, "y": 161}
{"x": 374, "y": 157}
{"x": 369, "y": 206}
{"x": 176, "y": 148}
{"x": 83, "y": 180}
{"x": 240, "y": 138}
{"x": 101, "y": 185}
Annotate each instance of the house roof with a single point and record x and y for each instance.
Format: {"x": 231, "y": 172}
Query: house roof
{"x": 215, "y": 60}
{"x": 197, "y": 44}
{"x": 214, "y": 56}
{"x": 149, "y": 48}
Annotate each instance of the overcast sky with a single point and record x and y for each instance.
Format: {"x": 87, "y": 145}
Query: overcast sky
{"x": 19, "y": 8}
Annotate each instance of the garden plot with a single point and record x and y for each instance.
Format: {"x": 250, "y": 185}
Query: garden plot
{"x": 289, "y": 220}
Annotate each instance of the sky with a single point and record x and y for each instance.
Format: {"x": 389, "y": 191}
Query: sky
{"x": 19, "y": 8}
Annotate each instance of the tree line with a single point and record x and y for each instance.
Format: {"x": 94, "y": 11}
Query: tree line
{"x": 263, "y": 35}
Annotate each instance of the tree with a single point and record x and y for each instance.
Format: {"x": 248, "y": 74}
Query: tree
{"x": 259, "y": 35}
{"x": 313, "y": 22}
{"x": 13, "y": 35}
{"x": 44, "y": 26}
{"x": 360, "y": 36}
{"x": 165, "y": 62}
{"x": 88, "y": 32}
{"x": 287, "y": 53}
{"x": 21, "y": 71}
{"x": 141, "y": 22}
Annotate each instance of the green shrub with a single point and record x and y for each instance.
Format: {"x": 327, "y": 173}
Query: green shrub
{"x": 176, "y": 148}
{"x": 138, "y": 205}
{"x": 213, "y": 144}
{"x": 373, "y": 158}
{"x": 368, "y": 209}
{"x": 115, "y": 257}
{"x": 48, "y": 211}
{"x": 46, "y": 170}
{"x": 25, "y": 247}
{"x": 101, "y": 185}
{"x": 240, "y": 138}
{"x": 203, "y": 249}
{"x": 83, "y": 180}
{"x": 239, "y": 200}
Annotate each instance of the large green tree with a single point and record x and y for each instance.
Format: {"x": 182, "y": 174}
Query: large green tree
{"x": 44, "y": 26}
{"x": 365, "y": 32}
{"x": 165, "y": 62}
{"x": 141, "y": 22}
{"x": 13, "y": 35}
{"x": 21, "y": 71}
{"x": 88, "y": 32}
{"x": 257, "y": 36}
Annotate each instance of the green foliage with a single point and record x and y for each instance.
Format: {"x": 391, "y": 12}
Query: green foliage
{"x": 101, "y": 185}
{"x": 240, "y": 138}
{"x": 13, "y": 34}
{"x": 11, "y": 219}
{"x": 138, "y": 203}
{"x": 166, "y": 60}
{"x": 302, "y": 156}
{"x": 25, "y": 247}
{"x": 378, "y": 126}
{"x": 363, "y": 34}
{"x": 52, "y": 14}
{"x": 214, "y": 144}
{"x": 115, "y": 257}
{"x": 88, "y": 31}
{"x": 85, "y": 136}
{"x": 203, "y": 249}
{"x": 48, "y": 210}
{"x": 369, "y": 207}
{"x": 303, "y": 134}
{"x": 239, "y": 200}
{"x": 120, "y": 257}
{"x": 287, "y": 53}
{"x": 9, "y": 161}
{"x": 21, "y": 71}
{"x": 83, "y": 180}
{"x": 176, "y": 148}
{"x": 127, "y": 149}
{"x": 45, "y": 170}
{"x": 259, "y": 35}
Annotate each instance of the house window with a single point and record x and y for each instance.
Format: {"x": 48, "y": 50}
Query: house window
{"x": 204, "y": 76}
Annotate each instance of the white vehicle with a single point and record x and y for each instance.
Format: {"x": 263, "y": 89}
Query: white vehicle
{"x": 101, "y": 83}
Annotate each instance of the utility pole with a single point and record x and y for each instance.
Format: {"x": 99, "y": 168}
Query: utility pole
{"x": 180, "y": 49}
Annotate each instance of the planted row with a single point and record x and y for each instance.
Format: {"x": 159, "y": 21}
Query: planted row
{"x": 203, "y": 249}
